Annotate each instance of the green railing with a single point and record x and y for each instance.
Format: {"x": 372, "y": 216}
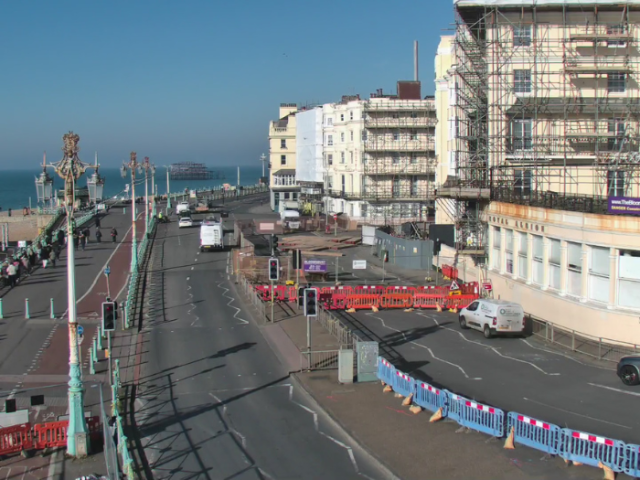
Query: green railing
{"x": 123, "y": 448}
{"x": 219, "y": 193}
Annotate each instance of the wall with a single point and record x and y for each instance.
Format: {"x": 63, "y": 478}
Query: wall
{"x": 309, "y": 161}
{"x": 410, "y": 254}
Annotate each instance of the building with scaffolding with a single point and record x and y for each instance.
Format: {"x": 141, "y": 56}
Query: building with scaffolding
{"x": 380, "y": 156}
{"x": 282, "y": 159}
{"x": 542, "y": 182}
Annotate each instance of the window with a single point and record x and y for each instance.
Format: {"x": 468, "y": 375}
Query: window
{"x": 351, "y": 117}
{"x": 283, "y": 143}
{"x": 413, "y": 135}
{"x": 343, "y": 183}
{"x": 522, "y": 182}
{"x": 495, "y": 252}
{"x": 599, "y": 274}
{"x": 523, "y": 256}
{"x": 330, "y": 140}
{"x": 364, "y": 135}
{"x": 522, "y": 81}
{"x": 341, "y": 157}
{"x": 329, "y": 121}
{"x": 396, "y": 135}
{"x": 615, "y": 183}
{"x": 350, "y": 157}
{"x": 396, "y": 187}
{"x": 342, "y": 136}
{"x": 283, "y": 159}
{"x": 574, "y": 266}
{"x": 413, "y": 159}
{"x": 395, "y": 158}
{"x": 616, "y": 130}
{"x": 521, "y": 134}
{"x": 414, "y": 115}
{"x": 342, "y": 117}
{"x": 508, "y": 257}
{"x": 287, "y": 195}
{"x": 522, "y": 36}
{"x": 414, "y": 185}
{"x": 616, "y": 30}
{"x": 629, "y": 279}
{"x": 330, "y": 158}
{"x": 616, "y": 82}
{"x": 363, "y": 210}
{"x": 537, "y": 259}
{"x": 555, "y": 259}
{"x": 351, "y": 132}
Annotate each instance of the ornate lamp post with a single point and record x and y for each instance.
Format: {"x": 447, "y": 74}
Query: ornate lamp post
{"x": 168, "y": 190}
{"x": 133, "y": 165}
{"x": 44, "y": 185}
{"x": 147, "y": 167}
{"x": 70, "y": 169}
{"x": 95, "y": 185}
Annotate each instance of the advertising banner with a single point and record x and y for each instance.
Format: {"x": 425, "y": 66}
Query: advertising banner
{"x": 317, "y": 266}
{"x": 624, "y": 205}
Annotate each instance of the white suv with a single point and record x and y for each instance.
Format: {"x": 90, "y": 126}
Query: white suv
{"x": 493, "y": 317}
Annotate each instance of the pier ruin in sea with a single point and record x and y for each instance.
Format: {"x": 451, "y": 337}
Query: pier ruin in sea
{"x": 193, "y": 171}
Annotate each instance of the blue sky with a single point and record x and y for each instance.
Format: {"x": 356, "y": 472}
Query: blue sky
{"x": 194, "y": 80}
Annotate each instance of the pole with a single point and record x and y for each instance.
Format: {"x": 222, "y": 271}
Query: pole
{"x": 168, "y": 193}
{"x": 437, "y": 268}
{"x": 272, "y": 295}
{"x": 153, "y": 192}
{"x": 108, "y": 287}
{"x": 309, "y": 336}
{"x": 52, "y": 312}
{"x": 238, "y": 177}
{"x": 109, "y": 356}
{"x": 134, "y": 237}
{"x": 337, "y": 270}
{"x": 146, "y": 197}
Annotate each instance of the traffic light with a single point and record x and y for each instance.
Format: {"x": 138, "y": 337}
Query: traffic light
{"x": 301, "y": 296}
{"x": 310, "y": 302}
{"x": 297, "y": 259}
{"x": 274, "y": 269}
{"x": 108, "y": 316}
{"x": 436, "y": 246}
{"x": 274, "y": 243}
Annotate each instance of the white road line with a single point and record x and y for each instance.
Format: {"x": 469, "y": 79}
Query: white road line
{"x": 568, "y": 357}
{"x": 425, "y": 347}
{"x": 493, "y": 349}
{"x": 637, "y": 394}
{"x": 576, "y": 414}
{"x": 229, "y": 304}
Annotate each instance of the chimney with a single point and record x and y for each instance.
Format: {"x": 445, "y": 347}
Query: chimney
{"x": 415, "y": 60}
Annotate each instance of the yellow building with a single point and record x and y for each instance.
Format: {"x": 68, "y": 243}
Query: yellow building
{"x": 282, "y": 159}
{"x": 544, "y": 119}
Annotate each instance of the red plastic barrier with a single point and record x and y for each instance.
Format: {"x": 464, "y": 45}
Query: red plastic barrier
{"x": 470, "y": 288}
{"x": 50, "y": 434}
{"x": 264, "y": 291}
{"x": 292, "y": 293}
{"x": 15, "y": 439}
{"x": 369, "y": 289}
{"x": 359, "y": 301}
{"x": 338, "y": 301}
{"x": 433, "y": 290}
{"x": 425, "y": 300}
{"x": 346, "y": 290}
{"x": 410, "y": 290}
{"x": 460, "y": 301}
{"x": 396, "y": 300}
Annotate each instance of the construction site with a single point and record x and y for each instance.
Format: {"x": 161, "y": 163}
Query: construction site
{"x": 546, "y": 109}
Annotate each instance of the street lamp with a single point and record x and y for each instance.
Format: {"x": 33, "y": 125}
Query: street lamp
{"x": 263, "y": 159}
{"x": 70, "y": 169}
{"x": 133, "y": 165}
{"x": 168, "y": 189}
{"x": 44, "y": 184}
{"x": 147, "y": 167}
{"x": 95, "y": 185}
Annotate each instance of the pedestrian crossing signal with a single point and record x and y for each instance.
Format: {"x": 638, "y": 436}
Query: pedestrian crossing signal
{"x": 108, "y": 316}
{"x": 274, "y": 269}
{"x": 310, "y": 302}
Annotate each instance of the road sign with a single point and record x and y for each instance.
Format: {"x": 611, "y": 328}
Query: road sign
{"x": 487, "y": 286}
{"x": 80, "y": 339}
{"x": 80, "y": 330}
{"x": 359, "y": 265}
{"x": 107, "y": 270}
{"x": 454, "y": 286}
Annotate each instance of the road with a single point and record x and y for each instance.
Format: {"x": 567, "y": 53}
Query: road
{"x": 215, "y": 401}
{"x": 513, "y": 374}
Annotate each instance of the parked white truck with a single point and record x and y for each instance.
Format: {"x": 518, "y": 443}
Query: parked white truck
{"x": 211, "y": 236}
{"x": 290, "y": 219}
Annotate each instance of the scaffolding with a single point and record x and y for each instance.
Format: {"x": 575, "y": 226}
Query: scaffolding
{"x": 546, "y": 110}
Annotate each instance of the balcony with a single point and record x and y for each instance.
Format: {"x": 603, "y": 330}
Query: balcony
{"x": 597, "y": 65}
{"x": 387, "y": 193}
{"x": 552, "y": 200}
{"x": 400, "y": 106}
{"x": 466, "y": 189}
{"x": 380, "y": 144}
{"x": 403, "y": 122}
{"x": 402, "y": 167}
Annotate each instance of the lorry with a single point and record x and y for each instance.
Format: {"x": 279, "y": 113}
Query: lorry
{"x": 211, "y": 235}
{"x": 290, "y": 219}
{"x": 182, "y": 206}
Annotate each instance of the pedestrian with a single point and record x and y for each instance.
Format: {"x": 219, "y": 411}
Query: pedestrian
{"x": 114, "y": 235}
{"x": 12, "y": 272}
{"x": 44, "y": 256}
{"x": 25, "y": 263}
{"x": 98, "y": 235}
{"x": 83, "y": 239}
{"x": 33, "y": 258}
{"x": 98, "y": 222}
{"x": 76, "y": 240}
{"x": 53, "y": 256}
{"x": 61, "y": 237}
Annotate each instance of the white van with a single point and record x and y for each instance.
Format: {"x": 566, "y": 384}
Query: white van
{"x": 290, "y": 219}
{"x": 211, "y": 236}
{"x": 181, "y": 207}
{"x": 493, "y": 317}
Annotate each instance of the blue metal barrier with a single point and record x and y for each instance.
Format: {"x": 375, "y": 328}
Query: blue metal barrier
{"x": 476, "y": 416}
{"x": 386, "y": 371}
{"x": 591, "y": 450}
{"x": 534, "y": 433}
{"x": 431, "y": 398}
{"x": 632, "y": 461}
{"x": 403, "y": 384}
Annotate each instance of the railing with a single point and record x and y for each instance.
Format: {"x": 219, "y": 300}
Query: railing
{"x": 123, "y": 447}
{"x": 552, "y": 200}
{"x": 333, "y": 325}
{"x": 319, "y": 360}
{"x": 601, "y": 348}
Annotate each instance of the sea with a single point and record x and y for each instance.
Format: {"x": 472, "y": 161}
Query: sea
{"x": 18, "y": 187}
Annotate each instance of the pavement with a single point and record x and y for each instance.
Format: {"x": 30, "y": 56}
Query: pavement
{"x": 35, "y": 358}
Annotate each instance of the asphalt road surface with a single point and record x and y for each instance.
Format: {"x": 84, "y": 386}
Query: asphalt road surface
{"x": 215, "y": 402}
{"x": 515, "y": 374}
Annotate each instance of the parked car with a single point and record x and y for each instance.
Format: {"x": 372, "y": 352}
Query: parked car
{"x": 629, "y": 370}
{"x": 493, "y": 317}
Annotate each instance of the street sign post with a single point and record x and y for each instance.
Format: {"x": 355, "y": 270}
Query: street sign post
{"x": 80, "y": 336}
{"x": 359, "y": 265}
{"x": 107, "y": 272}
{"x": 454, "y": 286}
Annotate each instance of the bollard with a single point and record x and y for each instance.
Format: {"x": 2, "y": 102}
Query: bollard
{"x": 26, "y": 309}
{"x": 95, "y": 349}
{"x": 92, "y": 367}
{"x": 124, "y": 211}
{"x": 53, "y": 315}
{"x": 1, "y": 312}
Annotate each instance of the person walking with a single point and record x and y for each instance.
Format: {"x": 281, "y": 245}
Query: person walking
{"x": 114, "y": 235}
{"x": 45, "y": 254}
{"x": 98, "y": 222}
{"x": 61, "y": 238}
{"x": 12, "y": 273}
{"x": 83, "y": 240}
{"x": 76, "y": 240}
{"x": 98, "y": 235}
{"x": 53, "y": 256}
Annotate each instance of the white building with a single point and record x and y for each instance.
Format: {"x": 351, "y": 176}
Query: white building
{"x": 282, "y": 158}
{"x": 310, "y": 169}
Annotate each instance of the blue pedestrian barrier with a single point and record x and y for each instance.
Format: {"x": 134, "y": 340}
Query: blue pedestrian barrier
{"x": 403, "y": 384}
{"x": 386, "y": 371}
{"x": 476, "y": 416}
{"x": 632, "y": 462}
{"x": 534, "y": 433}
{"x": 430, "y": 398}
{"x": 591, "y": 450}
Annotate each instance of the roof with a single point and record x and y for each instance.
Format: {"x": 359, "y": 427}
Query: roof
{"x": 540, "y": 3}
{"x": 285, "y": 171}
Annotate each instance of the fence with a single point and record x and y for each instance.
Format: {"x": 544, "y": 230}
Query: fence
{"x": 411, "y": 254}
{"x": 571, "y": 445}
{"x": 319, "y": 360}
{"x": 600, "y": 348}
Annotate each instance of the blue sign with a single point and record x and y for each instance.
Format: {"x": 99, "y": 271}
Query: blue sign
{"x": 315, "y": 266}
{"x": 80, "y": 330}
{"x": 107, "y": 271}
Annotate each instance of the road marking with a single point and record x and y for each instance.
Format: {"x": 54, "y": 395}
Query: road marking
{"x": 229, "y": 304}
{"x": 614, "y": 389}
{"x": 576, "y": 414}
{"x": 495, "y": 350}
{"x": 568, "y": 357}
{"x": 425, "y": 347}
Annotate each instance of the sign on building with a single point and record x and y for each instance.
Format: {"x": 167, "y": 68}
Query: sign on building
{"x": 315, "y": 266}
{"x": 624, "y": 205}
{"x": 359, "y": 265}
